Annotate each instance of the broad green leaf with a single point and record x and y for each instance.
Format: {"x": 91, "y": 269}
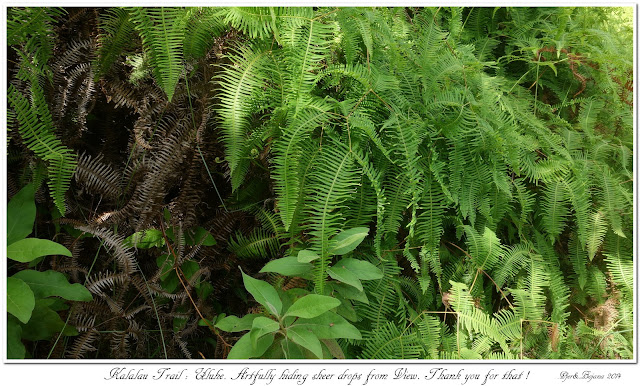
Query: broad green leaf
{"x": 243, "y": 349}
{"x": 345, "y": 276}
{"x": 53, "y": 283}
{"x": 362, "y": 269}
{"x": 289, "y": 297}
{"x": 15, "y": 348}
{"x": 329, "y": 326}
{"x": 234, "y": 324}
{"x": 346, "y": 309}
{"x": 264, "y": 294}
{"x": 312, "y": 305}
{"x": 262, "y": 326}
{"x": 56, "y": 304}
{"x": 194, "y": 237}
{"x": 334, "y": 348}
{"x": 21, "y": 214}
{"x": 189, "y": 268}
{"x": 26, "y": 250}
{"x": 178, "y": 324}
{"x": 306, "y": 256}
{"x": 347, "y": 241}
{"x": 165, "y": 263}
{"x": 291, "y": 350}
{"x": 349, "y": 292}
{"x": 44, "y": 324}
{"x": 288, "y": 266}
{"x": 170, "y": 282}
{"x": 20, "y": 299}
{"x": 305, "y": 338}
{"x": 204, "y": 290}
{"x": 145, "y": 239}
{"x": 169, "y": 233}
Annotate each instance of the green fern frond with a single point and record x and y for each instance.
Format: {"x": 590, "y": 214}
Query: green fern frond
{"x": 204, "y": 25}
{"x": 350, "y": 35}
{"x": 485, "y": 249}
{"x": 578, "y": 258}
{"x": 474, "y": 319}
{"x": 331, "y": 184}
{"x": 361, "y": 123}
{"x": 118, "y": 30}
{"x": 270, "y": 222}
{"x": 391, "y": 341}
{"x": 259, "y": 244}
{"x": 405, "y": 136}
{"x": 257, "y": 22}
{"x": 589, "y": 111}
{"x": 596, "y": 230}
{"x": 385, "y": 296}
{"x": 559, "y": 294}
{"x": 306, "y": 47}
{"x": 529, "y": 297}
{"x": 239, "y": 85}
{"x": 32, "y": 28}
{"x": 547, "y": 170}
{"x": 611, "y": 199}
{"x": 162, "y": 32}
{"x": 429, "y": 331}
{"x": 513, "y": 259}
{"x": 619, "y": 260}
{"x": 36, "y": 129}
{"x": 508, "y": 324}
{"x": 375, "y": 176}
{"x": 260, "y": 22}
{"x": 396, "y": 186}
{"x": 578, "y": 189}
{"x": 555, "y": 208}
{"x": 287, "y": 154}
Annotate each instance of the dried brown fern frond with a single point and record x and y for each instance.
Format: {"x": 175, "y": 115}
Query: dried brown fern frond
{"x": 143, "y": 289}
{"x": 141, "y": 130}
{"x": 183, "y": 346}
{"x": 73, "y": 82}
{"x": 124, "y": 257}
{"x": 185, "y": 205}
{"x": 95, "y": 176}
{"x": 116, "y": 307}
{"x": 112, "y": 217}
{"x": 85, "y": 322}
{"x": 73, "y": 265}
{"x": 130, "y": 314}
{"x": 165, "y": 169}
{"x": 119, "y": 344}
{"x": 100, "y": 282}
{"x": 159, "y": 291}
{"x": 120, "y": 93}
{"x": 82, "y": 344}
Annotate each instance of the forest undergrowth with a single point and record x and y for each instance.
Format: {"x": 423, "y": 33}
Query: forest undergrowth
{"x": 360, "y": 183}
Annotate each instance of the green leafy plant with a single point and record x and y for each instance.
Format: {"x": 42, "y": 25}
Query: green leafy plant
{"x": 304, "y": 324}
{"x": 34, "y": 297}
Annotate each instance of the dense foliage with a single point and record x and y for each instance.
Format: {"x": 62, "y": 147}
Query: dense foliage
{"x": 434, "y": 183}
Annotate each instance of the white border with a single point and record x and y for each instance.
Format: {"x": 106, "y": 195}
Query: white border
{"x": 96, "y": 370}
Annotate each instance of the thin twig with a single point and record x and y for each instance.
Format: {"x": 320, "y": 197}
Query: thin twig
{"x": 179, "y": 273}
